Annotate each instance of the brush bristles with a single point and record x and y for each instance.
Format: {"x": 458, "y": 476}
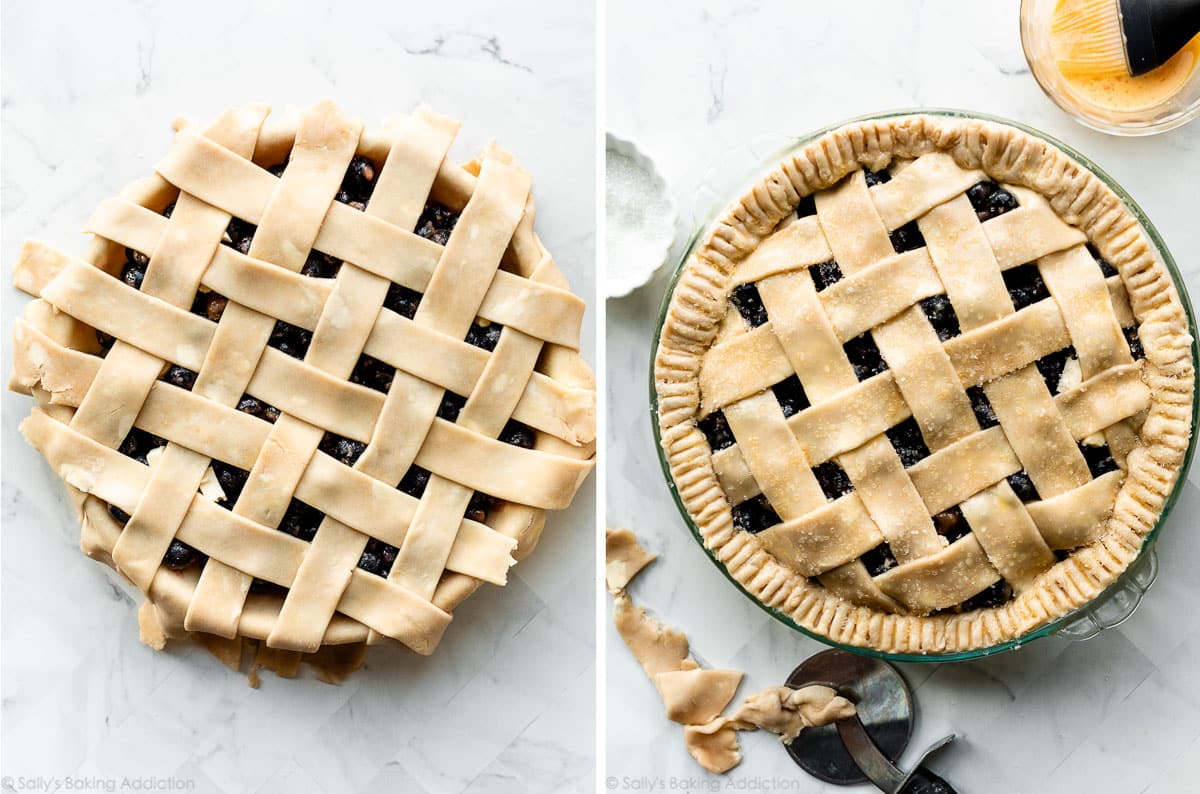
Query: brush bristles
{"x": 1090, "y": 41}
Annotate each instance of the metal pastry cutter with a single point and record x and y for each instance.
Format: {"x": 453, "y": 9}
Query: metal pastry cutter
{"x": 866, "y": 746}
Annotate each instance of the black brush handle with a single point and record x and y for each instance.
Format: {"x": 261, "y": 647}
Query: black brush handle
{"x": 923, "y": 781}
{"x": 1157, "y": 29}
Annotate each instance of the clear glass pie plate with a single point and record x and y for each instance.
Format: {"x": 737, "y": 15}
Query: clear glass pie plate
{"x": 737, "y": 170}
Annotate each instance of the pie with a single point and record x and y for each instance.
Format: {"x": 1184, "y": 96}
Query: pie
{"x": 926, "y": 386}
{"x": 312, "y": 382}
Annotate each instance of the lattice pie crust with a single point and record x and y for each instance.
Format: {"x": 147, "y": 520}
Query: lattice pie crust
{"x": 1029, "y": 494}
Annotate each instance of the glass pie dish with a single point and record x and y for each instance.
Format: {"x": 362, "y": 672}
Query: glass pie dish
{"x": 1118, "y": 600}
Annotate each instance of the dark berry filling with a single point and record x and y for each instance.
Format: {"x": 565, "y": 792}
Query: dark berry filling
{"x": 825, "y": 274}
{"x": 167, "y": 210}
{"x": 179, "y": 376}
{"x": 755, "y": 515}
{"x": 402, "y": 300}
{"x": 1107, "y": 269}
{"x": 289, "y": 339}
{"x": 996, "y": 595}
{"x": 990, "y": 200}
{"x": 345, "y": 450}
{"x": 210, "y": 305}
{"x": 1135, "y": 343}
{"x": 908, "y": 442}
{"x": 119, "y": 515}
{"x": 239, "y": 234}
{"x": 807, "y": 206}
{"x": 301, "y": 520}
{"x": 791, "y": 396}
{"x": 319, "y": 265}
{"x": 907, "y": 238}
{"x": 137, "y": 258}
{"x": 232, "y": 480}
{"x": 180, "y": 555}
{"x": 373, "y": 373}
{"x": 879, "y": 559}
{"x": 278, "y": 169}
{"x": 480, "y": 505}
{"x": 833, "y": 480}
{"x": 452, "y": 404}
{"x": 1023, "y": 487}
{"x": 716, "y": 430}
{"x": 1051, "y": 367}
{"x": 1099, "y": 459}
{"x": 359, "y": 181}
{"x": 263, "y": 587}
{"x": 877, "y": 177}
{"x": 1025, "y": 285}
{"x": 941, "y": 316}
{"x": 414, "y": 482}
{"x": 436, "y": 223}
{"x": 864, "y": 355}
{"x": 749, "y": 303}
{"x": 518, "y": 434}
{"x": 133, "y": 274}
{"x": 378, "y": 558}
{"x": 484, "y": 335}
{"x": 951, "y": 524}
{"x": 256, "y": 407}
{"x": 138, "y": 443}
{"x": 104, "y": 340}
{"x": 984, "y": 412}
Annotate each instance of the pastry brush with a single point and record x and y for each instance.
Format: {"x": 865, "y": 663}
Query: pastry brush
{"x": 1103, "y": 38}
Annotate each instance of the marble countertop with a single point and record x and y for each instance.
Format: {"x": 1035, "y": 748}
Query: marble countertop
{"x": 88, "y": 97}
{"x": 1118, "y": 713}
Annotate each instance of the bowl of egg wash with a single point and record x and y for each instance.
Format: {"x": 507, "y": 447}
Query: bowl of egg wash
{"x": 1113, "y": 102}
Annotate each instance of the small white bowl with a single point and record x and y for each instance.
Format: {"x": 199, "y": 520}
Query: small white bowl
{"x": 637, "y": 241}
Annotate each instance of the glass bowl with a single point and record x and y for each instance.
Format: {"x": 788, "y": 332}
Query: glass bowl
{"x": 737, "y": 171}
{"x": 1176, "y": 110}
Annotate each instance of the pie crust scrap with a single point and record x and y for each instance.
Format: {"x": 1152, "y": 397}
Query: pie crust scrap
{"x": 926, "y": 386}
{"x": 311, "y": 384}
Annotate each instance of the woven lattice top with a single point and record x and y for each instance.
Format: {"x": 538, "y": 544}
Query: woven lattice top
{"x": 312, "y": 382}
{"x": 923, "y": 390}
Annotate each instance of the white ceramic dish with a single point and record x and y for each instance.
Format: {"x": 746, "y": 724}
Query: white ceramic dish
{"x": 637, "y": 241}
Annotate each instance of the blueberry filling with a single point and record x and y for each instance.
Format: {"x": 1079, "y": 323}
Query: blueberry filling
{"x": 239, "y": 234}
{"x": 480, "y": 505}
{"x": 1135, "y": 343}
{"x": 1023, "y": 487}
{"x": 180, "y": 555}
{"x": 1099, "y": 459}
{"x": 941, "y": 316}
{"x": 716, "y": 430}
{"x": 864, "y": 355}
{"x": 907, "y": 238}
{"x": 119, "y": 515}
{"x": 402, "y": 300}
{"x": 256, "y": 407}
{"x": 301, "y": 520}
{"x": 1052, "y": 366}
{"x": 378, "y": 558}
{"x": 908, "y": 442}
{"x": 137, "y": 258}
{"x": 436, "y": 223}
{"x": 359, "y": 181}
{"x": 990, "y": 200}
{"x": 749, "y": 303}
{"x": 484, "y": 335}
{"x": 825, "y": 274}
{"x": 373, "y": 373}
{"x": 1025, "y": 285}
{"x": 289, "y": 339}
{"x": 951, "y": 524}
{"x": 755, "y": 515}
{"x": 833, "y": 480}
{"x": 982, "y": 407}
{"x": 232, "y": 480}
{"x": 452, "y": 404}
{"x": 996, "y": 595}
{"x": 877, "y": 177}
{"x": 319, "y": 265}
{"x": 167, "y": 210}
{"x": 807, "y": 206}
{"x": 104, "y": 340}
{"x": 138, "y": 443}
{"x": 133, "y": 274}
{"x": 518, "y": 434}
{"x": 179, "y": 376}
{"x": 210, "y": 305}
{"x": 414, "y": 482}
{"x": 340, "y": 448}
{"x": 1107, "y": 269}
{"x": 790, "y": 395}
{"x": 278, "y": 168}
{"x": 263, "y": 587}
{"x": 879, "y": 559}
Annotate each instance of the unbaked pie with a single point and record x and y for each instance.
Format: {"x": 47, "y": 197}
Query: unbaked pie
{"x": 311, "y": 384}
{"x": 926, "y": 386}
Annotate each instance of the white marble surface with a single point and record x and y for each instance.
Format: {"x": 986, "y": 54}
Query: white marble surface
{"x": 1120, "y": 713}
{"x": 508, "y": 701}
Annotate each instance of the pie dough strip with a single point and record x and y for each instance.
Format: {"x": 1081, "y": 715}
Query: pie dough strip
{"x": 797, "y": 243}
{"x": 930, "y": 180}
{"x": 824, "y": 539}
{"x": 1074, "y": 281}
{"x": 942, "y": 579}
{"x": 1029, "y": 232}
{"x": 894, "y": 285}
